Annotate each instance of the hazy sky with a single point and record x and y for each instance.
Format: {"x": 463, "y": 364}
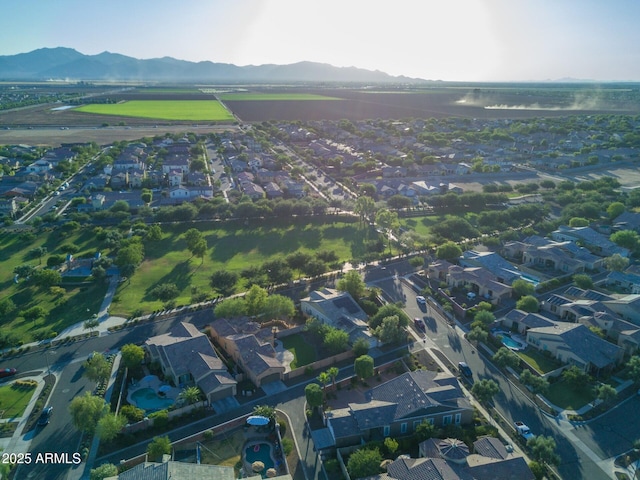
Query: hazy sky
{"x": 468, "y": 40}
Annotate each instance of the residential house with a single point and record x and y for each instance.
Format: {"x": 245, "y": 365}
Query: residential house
{"x": 399, "y": 406}
{"x": 492, "y": 262}
{"x": 251, "y": 347}
{"x": 38, "y": 166}
{"x": 187, "y": 357}
{"x": 255, "y": 192}
{"x": 596, "y": 242}
{"x": 272, "y": 190}
{"x": 8, "y": 207}
{"x": 476, "y": 279}
{"x": 174, "y": 470}
{"x": 575, "y": 344}
{"x": 175, "y": 177}
{"x": 180, "y": 193}
{"x": 120, "y": 180}
{"x": 339, "y": 310}
{"x": 176, "y": 162}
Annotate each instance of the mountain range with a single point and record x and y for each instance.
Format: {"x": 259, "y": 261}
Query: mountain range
{"x": 62, "y": 63}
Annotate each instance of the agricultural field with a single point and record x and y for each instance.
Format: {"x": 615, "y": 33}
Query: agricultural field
{"x": 186, "y": 110}
{"x": 274, "y": 96}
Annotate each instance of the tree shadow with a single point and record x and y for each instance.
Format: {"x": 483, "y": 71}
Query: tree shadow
{"x": 180, "y": 276}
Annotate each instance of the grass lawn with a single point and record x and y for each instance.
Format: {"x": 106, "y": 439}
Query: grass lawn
{"x": 233, "y": 246}
{"x": 273, "y": 96}
{"x": 303, "y": 353}
{"x": 568, "y": 397}
{"x": 189, "y": 110}
{"x": 225, "y": 451}
{"x": 537, "y": 360}
{"x": 14, "y": 400}
{"x": 75, "y": 304}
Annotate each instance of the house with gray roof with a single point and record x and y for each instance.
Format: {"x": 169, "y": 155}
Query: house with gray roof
{"x": 598, "y": 243}
{"x": 339, "y": 310}
{"x": 181, "y": 470}
{"x": 397, "y": 407}
{"x": 575, "y": 344}
{"x": 251, "y": 347}
{"x": 187, "y": 357}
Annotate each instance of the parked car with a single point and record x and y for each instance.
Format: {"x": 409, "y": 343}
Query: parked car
{"x": 421, "y": 300}
{"x": 7, "y": 372}
{"x": 45, "y": 416}
{"x": 464, "y": 369}
{"x": 419, "y": 324}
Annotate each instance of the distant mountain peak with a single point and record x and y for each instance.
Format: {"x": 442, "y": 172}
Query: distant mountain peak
{"x": 67, "y": 63}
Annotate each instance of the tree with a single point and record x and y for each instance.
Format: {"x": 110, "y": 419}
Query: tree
{"x": 626, "y": 239}
{"x": 543, "y": 450}
{"x": 333, "y": 374}
{"x": 528, "y": 303}
{"x": 390, "y": 445}
{"x": 364, "y": 207}
{"x": 24, "y": 270}
{"x": 389, "y": 310}
{"x": 158, "y": 447}
{"x": 255, "y": 299}
{"x": 615, "y": 209}
{"x": 633, "y": 368}
{"x": 324, "y": 379}
{"x": 164, "y": 292}
{"x": 200, "y": 249}
{"x": 231, "y": 308}
{"x": 105, "y": 470}
{"x": 38, "y": 253}
{"x": 352, "y": 283}
{"x": 484, "y": 316}
{"x": 425, "y": 430}
{"x": 364, "y": 463}
{"x": 34, "y": 313}
{"x": 388, "y": 221}
{"x": 314, "y": 395}
{"x": 449, "y": 251}
{"x": 46, "y": 278}
{"x": 146, "y": 196}
{"x": 154, "y": 233}
{"x": 109, "y": 426}
{"x": 575, "y": 377}
{"x": 224, "y": 281}
{"x": 583, "y": 281}
{"x": 97, "y": 368}
{"x": 278, "y": 307}
{"x": 133, "y": 414}
{"x": 477, "y": 334}
{"x": 132, "y": 254}
{"x": 484, "y": 390}
{"x": 616, "y": 262}
{"x": 506, "y": 358}
{"x": 537, "y": 469}
{"x": 336, "y": 340}
{"x": 606, "y": 393}
{"x": 265, "y": 411}
{"x": 132, "y": 355}
{"x": 86, "y": 410}
{"x": 91, "y": 324}
{"x": 363, "y": 367}
{"x": 389, "y": 330}
{"x": 360, "y": 347}
{"x": 522, "y": 287}
{"x": 538, "y": 385}
{"x": 191, "y": 395}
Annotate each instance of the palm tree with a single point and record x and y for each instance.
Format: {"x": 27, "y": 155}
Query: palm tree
{"x": 333, "y": 373}
{"x": 324, "y": 378}
{"x": 191, "y": 395}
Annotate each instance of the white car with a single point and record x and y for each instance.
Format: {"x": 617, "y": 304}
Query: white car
{"x": 420, "y": 299}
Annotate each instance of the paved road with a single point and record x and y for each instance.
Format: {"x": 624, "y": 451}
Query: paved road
{"x": 510, "y": 402}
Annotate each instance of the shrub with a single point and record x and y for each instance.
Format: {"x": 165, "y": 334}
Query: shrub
{"x": 287, "y": 446}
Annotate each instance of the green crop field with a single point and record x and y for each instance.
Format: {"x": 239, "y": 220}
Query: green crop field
{"x": 189, "y": 110}
{"x": 273, "y": 96}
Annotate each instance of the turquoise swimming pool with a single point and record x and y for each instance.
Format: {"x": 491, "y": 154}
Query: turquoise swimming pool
{"x": 149, "y": 401}
{"x": 260, "y": 452}
{"x": 509, "y": 342}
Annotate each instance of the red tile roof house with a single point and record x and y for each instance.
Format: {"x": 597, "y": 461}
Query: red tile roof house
{"x": 187, "y": 357}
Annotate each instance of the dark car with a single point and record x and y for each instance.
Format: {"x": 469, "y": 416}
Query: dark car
{"x": 419, "y": 324}
{"x": 464, "y": 369}
{"x": 45, "y": 416}
{"x": 7, "y": 372}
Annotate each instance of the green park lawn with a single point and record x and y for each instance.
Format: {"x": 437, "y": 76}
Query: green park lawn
{"x": 233, "y": 246}
{"x": 273, "y": 96}
{"x": 537, "y": 360}
{"x": 303, "y": 353}
{"x": 14, "y": 400}
{"x": 568, "y": 397}
{"x": 188, "y": 110}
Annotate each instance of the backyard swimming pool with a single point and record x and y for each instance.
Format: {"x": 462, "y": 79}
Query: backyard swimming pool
{"x": 149, "y": 401}
{"x": 260, "y": 452}
{"x": 509, "y": 342}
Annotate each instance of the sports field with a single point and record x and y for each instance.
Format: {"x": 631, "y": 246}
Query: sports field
{"x": 274, "y": 96}
{"x": 188, "y": 110}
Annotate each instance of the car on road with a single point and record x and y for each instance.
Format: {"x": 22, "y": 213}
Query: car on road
{"x": 45, "y": 416}
{"x": 421, "y": 300}
{"x": 464, "y": 369}
{"x": 419, "y": 324}
{"x": 7, "y": 372}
